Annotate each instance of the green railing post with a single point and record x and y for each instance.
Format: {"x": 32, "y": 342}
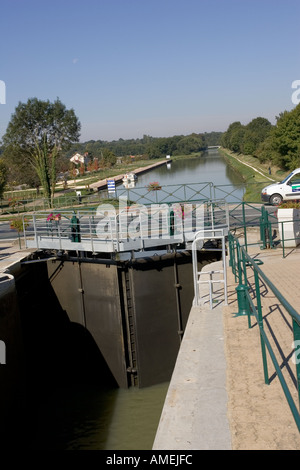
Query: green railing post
{"x": 296, "y": 331}
{"x": 261, "y": 327}
{"x": 230, "y": 245}
{"x": 75, "y": 229}
{"x": 282, "y": 240}
{"x": 262, "y": 228}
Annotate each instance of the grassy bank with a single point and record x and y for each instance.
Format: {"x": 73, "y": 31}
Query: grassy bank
{"x": 254, "y": 173}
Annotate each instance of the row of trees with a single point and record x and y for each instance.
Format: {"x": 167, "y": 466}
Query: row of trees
{"x": 278, "y": 144}
{"x": 148, "y": 146}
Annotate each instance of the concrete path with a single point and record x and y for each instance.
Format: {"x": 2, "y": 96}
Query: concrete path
{"x": 11, "y": 255}
{"x": 259, "y": 415}
{"x": 195, "y": 411}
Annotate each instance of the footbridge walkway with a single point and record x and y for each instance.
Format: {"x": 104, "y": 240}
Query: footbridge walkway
{"x": 139, "y": 227}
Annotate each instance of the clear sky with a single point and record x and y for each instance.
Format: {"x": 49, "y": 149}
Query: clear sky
{"x": 155, "y": 67}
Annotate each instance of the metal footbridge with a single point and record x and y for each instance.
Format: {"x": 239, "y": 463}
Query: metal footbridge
{"x": 123, "y": 229}
{"x": 127, "y": 232}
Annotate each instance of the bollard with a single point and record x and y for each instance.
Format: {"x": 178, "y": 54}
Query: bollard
{"x": 75, "y": 229}
{"x": 243, "y": 305}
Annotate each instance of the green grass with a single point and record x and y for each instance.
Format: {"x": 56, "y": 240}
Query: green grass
{"x": 255, "y": 181}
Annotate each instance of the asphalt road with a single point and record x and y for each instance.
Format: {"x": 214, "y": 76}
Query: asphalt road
{"x": 6, "y": 232}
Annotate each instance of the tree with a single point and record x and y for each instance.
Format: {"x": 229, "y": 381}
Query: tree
{"x": 3, "y": 177}
{"x": 237, "y": 139}
{"x": 227, "y": 136}
{"x": 286, "y": 138}
{"x": 38, "y": 132}
{"x": 108, "y": 158}
{"x": 191, "y": 143}
{"x": 255, "y": 133}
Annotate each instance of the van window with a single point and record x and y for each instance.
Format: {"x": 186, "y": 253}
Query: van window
{"x": 295, "y": 179}
{"x": 286, "y": 178}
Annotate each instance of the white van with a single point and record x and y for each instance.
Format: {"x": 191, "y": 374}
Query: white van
{"x": 287, "y": 189}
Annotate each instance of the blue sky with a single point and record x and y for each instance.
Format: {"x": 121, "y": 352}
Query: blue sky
{"x": 155, "y": 67}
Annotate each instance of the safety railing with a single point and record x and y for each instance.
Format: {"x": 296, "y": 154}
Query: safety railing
{"x": 187, "y": 192}
{"x": 240, "y": 262}
{"x": 111, "y": 229}
{"x": 210, "y": 274}
{"x": 274, "y": 232}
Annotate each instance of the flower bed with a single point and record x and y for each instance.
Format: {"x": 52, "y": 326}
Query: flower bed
{"x": 155, "y": 186}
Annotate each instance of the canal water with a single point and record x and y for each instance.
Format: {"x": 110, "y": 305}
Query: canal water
{"x": 90, "y": 418}
{"x": 210, "y": 167}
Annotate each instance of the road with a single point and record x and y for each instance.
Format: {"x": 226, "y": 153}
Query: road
{"x": 6, "y": 232}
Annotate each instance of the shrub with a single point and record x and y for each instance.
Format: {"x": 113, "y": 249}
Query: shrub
{"x": 289, "y": 205}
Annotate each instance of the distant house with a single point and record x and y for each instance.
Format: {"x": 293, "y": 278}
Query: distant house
{"x": 78, "y": 158}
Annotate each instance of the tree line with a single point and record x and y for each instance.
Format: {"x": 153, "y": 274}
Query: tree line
{"x": 148, "y": 146}
{"x": 277, "y": 144}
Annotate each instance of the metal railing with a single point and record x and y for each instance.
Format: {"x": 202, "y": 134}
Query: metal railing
{"x": 273, "y": 233}
{"x": 239, "y": 262}
{"x": 198, "y": 243}
{"x": 187, "y": 192}
{"x": 110, "y": 229}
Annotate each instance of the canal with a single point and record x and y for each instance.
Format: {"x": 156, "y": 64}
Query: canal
{"x": 203, "y": 177}
{"x": 209, "y": 167}
{"x": 90, "y": 417}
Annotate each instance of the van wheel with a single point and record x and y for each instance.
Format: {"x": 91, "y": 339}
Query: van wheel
{"x": 275, "y": 199}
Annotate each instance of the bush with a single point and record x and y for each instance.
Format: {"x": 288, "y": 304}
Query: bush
{"x": 290, "y": 205}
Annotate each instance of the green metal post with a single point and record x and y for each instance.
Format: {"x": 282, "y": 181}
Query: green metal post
{"x": 239, "y": 263}
{"x": 75, "y": 229}
{"x": 261, "y": 327}
{"x": 282, "y": 240}
{"x": 230, "y": 243}
{"x": 262, "y": 228}
{"x": 244, "y": 268}
{"x": 243, "y": 211}
{"x": 243, "y": 304}
{"x": 296, "y": 330}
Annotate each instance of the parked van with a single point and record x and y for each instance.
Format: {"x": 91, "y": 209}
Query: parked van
{"x": 287, "y": 189}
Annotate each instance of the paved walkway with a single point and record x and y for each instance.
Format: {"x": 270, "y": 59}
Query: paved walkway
{"x": 259, "y": 415}
{"x": 11, "y": 255}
